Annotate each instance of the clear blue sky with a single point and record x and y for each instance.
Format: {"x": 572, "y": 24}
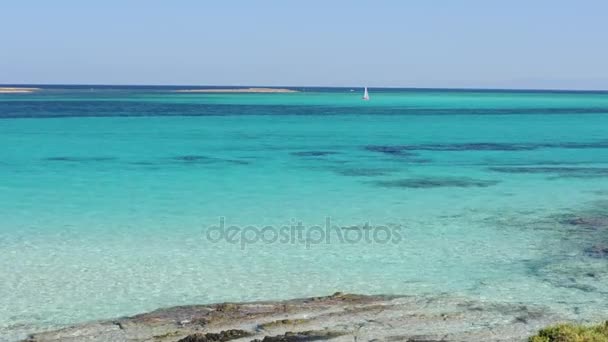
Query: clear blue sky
{"x": 417, "y": 43}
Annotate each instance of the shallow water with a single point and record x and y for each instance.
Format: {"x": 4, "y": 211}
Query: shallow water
{"x": 108, "y": 198}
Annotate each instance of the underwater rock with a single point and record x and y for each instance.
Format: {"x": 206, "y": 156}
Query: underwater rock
{"x": 592, "y": 221}
{"x": 436, "y": 182}
{"x": 597, "y": 251}
{"x": 222, "y": 336}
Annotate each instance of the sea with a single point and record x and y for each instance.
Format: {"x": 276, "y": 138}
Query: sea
{"x": 117, "y": 200}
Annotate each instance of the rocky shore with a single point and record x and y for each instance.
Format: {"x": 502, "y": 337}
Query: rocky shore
{"x": 339, "y": 317}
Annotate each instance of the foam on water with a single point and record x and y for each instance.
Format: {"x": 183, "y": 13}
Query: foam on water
{"x": 107, "y": 216}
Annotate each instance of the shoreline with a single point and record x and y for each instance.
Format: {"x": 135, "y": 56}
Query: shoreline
{"x": 238, "y": 90}
{"x": 17, "y": 90}
{"x": 339, "y": 317}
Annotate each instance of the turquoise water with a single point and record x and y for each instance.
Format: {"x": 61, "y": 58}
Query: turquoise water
{"x": 108, "y": 197}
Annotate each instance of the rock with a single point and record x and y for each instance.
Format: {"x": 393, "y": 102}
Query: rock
{"x": 223, "y": 336}
{"x": 341, "y": 317}
{"x": 282, "y": 322}
{"x": 311, "y": 335}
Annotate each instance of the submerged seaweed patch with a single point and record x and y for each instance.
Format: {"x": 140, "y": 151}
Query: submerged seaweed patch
{"x": 194, "y": 158}
{"x": 363, "y": 172}
{"x": 79, "y": 159}
{"x": 391, "y": 150}
{"x": 473, "y": 147}
{"x": 402, "y": 152}
{"x": 313, "y": 153}
{"x": 199, "y": 159}
{"x": 585, "y": 221}
{"x": 562, "y": 172}
{"x": 436, "y": 182}
{"x": 597, "y": 251}
{"x": 481, "y": 146}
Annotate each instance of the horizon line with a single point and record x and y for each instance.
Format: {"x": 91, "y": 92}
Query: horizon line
{"x": 300, "y": 86}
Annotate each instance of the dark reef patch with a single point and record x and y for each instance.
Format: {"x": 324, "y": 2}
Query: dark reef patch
{"x": 481, "y": 146}
{"x": 590, "y": 221}
{"x": 55, "y": 108}
{"x": 198, "y": 159}
{"x": 597, "y": 251}
{"x": 390, "y": 150}
{"x": 195, "y": 159}
{"x": 402, "y": 152}
{"x": 363, "y": 172}
{"x": 561, "y": 172}
{"x": 591, "y": 227}
{"x": 436, "y": 182}
{"x": 313, "y": 153}
{"x": 472, "y": 147}
{"x": 79, "y": 159}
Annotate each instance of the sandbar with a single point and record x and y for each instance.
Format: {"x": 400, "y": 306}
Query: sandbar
{"x": 17, "y": 90}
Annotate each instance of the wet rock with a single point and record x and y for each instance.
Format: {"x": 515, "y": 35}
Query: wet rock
{"x": 282, "y": 322}
{"x": 436, "y": 182}
{"x": 417, "y": 339}
{"x": 304, "y": 336}
{"x": 226, "y": 307}
{"x": 342, "y": 316}
{"x": 226, "y": 335}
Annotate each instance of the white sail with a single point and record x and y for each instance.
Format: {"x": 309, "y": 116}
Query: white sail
{"x": 365, "y": 94}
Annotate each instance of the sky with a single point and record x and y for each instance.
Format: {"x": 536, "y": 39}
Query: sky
{"x": 543, "y": 44}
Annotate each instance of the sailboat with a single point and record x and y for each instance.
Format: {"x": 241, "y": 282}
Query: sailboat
{"x": 365, "y": 95}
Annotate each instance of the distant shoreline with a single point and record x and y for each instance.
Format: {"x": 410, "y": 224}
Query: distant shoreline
{"x": 238, "y": 90}
{"x": 17, "y": 90}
